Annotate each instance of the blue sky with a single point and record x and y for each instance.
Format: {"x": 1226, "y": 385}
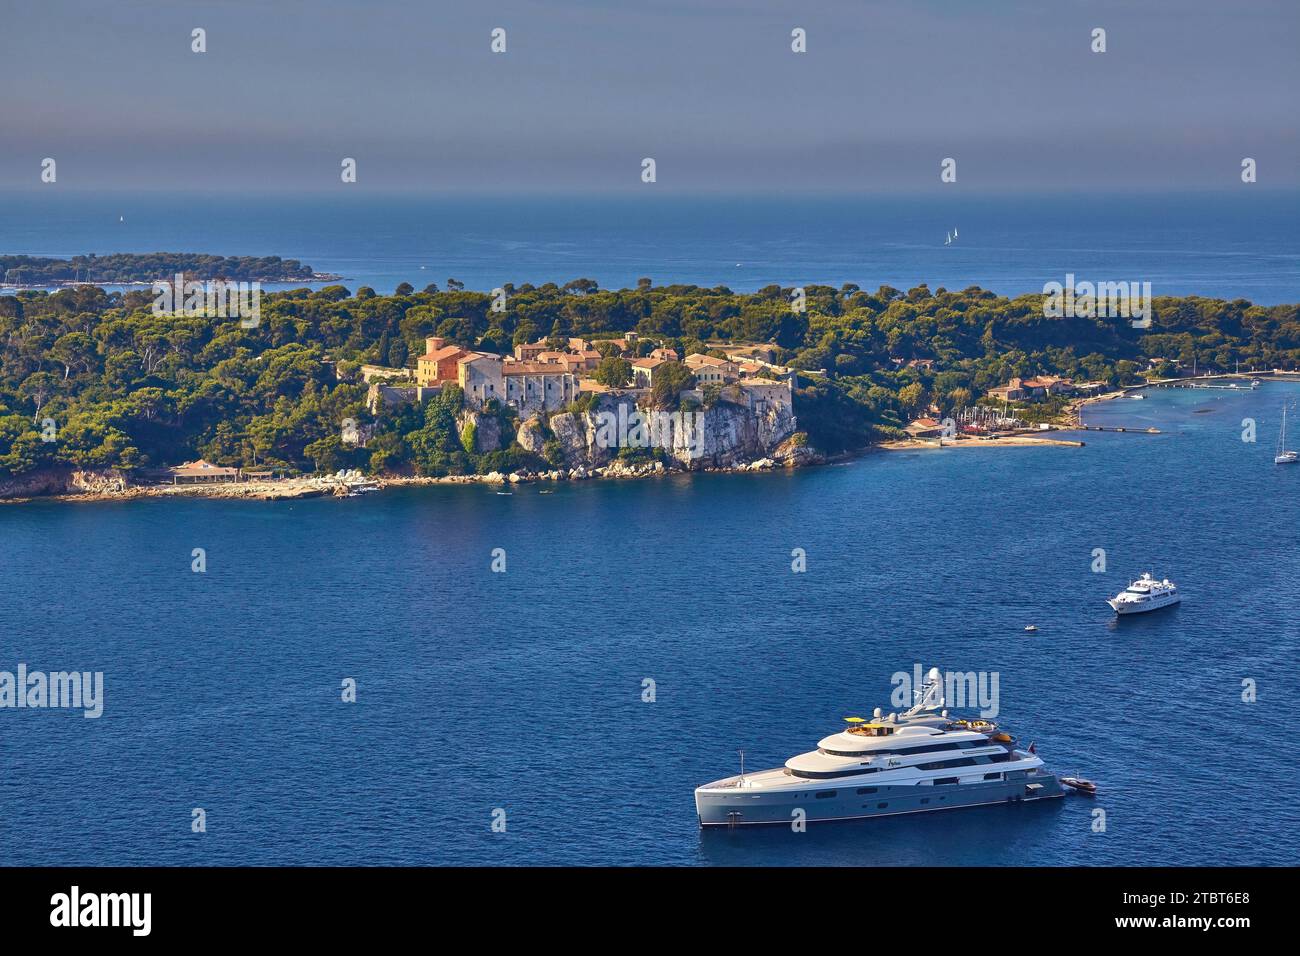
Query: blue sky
{"x": 710, "y": 89}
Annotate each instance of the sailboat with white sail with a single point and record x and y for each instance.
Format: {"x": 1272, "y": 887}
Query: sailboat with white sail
{"x": 1284, "y": 456}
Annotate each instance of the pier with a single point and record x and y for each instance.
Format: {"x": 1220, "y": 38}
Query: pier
{"x": 1194, "y": 384}
{"x": 1217, "y": 380}
{"x": 1119, "y": 428}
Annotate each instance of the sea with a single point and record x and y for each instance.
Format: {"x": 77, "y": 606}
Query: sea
{"x": 1236, "y": 244}
{"x": 348, "y": 681}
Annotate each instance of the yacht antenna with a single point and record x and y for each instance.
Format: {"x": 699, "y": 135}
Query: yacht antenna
{"x": 742, "y": 765}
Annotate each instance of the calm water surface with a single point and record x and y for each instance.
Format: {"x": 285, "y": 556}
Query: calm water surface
{"x": 522, "y": 690}
{"x": 1239, "y": 244}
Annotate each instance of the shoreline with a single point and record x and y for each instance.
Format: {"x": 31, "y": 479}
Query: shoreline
{"x": 292, "y": 489}
{"x": 337, "y": 486}
{"x": 1070, "y": 419}
{"x": 1073, "y": 412}
{"x": 109, "y": 284}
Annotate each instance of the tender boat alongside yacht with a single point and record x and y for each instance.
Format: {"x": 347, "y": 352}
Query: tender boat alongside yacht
{"x": 913, "y": 762}
{"x": 1080, "y": 785}
{"x": 1145, "y": 594}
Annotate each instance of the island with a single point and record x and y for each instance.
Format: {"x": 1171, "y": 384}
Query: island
{"x": 39, "y": 272}
{"x": 336, "y": 392}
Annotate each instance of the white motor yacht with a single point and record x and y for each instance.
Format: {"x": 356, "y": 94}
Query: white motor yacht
{"x": 1145, "y": 594}
{"x": 917, "y": 761}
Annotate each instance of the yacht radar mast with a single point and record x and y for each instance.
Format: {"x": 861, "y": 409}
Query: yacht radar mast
{"x": 930, "y": 697}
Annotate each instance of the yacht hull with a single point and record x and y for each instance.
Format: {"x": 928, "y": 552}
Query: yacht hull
{"x": 738, "y": 806}
{"x": 1124, "y": 608}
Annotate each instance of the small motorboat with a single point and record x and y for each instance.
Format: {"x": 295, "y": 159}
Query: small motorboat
{"x": 1031, "y": 629}
{"x": 1080, "y": 785}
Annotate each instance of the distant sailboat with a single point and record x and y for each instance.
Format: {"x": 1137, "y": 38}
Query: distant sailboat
{"x": 121, "y": 218}
{"x": 1283, "y": 456}
{"x": 948, "y": 241}
{"x": 954, "y": 232}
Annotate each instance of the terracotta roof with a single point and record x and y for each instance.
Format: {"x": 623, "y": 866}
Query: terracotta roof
{"x": 698, "y": 359}
{"x": 446, "y": 352}
{"x": 650, "y": 363}
{"x": 475, "y": 356}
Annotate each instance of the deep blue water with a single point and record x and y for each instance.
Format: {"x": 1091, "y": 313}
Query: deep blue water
{"x": 1239, "y": 244}
{"x": 522, "y": 690}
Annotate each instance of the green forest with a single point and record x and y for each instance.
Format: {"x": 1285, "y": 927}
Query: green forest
{"x": 127, "y": 388}
{"x": 146, "y": 267}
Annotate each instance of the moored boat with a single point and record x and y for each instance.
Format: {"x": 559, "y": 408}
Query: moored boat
{"x": 913, "y": 762}
{"x": 1145, "y": 594}
{"x": 1284, "y": 456}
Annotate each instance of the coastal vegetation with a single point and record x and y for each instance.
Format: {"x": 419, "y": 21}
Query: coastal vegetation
{"x": 96, "y": 379}
{"x": 126, "y": 267}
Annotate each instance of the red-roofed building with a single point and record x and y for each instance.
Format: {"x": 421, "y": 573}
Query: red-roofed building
{"x": 529, "y": 352}
{"x": 710, "y": 370}
{"x": 643, "y": 371}
{"x": 439, "y": 364}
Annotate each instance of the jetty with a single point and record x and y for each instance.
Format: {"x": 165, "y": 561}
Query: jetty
{"x": 1244, "y": 381}
{"x": 1118, "y": 428}
{"x": 1188, "y": 383}
{"x": 1252, "y": 379}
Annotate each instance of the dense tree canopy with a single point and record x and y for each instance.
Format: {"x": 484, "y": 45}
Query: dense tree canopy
{"x": 146, "y": 267}
{"x": 125, "y": 387}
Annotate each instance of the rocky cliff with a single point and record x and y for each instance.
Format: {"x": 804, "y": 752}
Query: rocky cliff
{"x": 725, "y": 435}
{"x": 587, "y": 444}
{"x": 62, "y": 481}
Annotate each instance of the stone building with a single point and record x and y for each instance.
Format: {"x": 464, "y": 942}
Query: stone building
{"x": 538, "y": 386}
{"x": 479, "y": 375}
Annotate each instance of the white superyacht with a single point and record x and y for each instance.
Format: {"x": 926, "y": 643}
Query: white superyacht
{"x": 1145, "y": 594}
{"x": 913, "y": 762}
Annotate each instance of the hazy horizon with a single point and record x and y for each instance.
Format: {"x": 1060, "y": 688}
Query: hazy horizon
{"x": 712, "y": 91}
